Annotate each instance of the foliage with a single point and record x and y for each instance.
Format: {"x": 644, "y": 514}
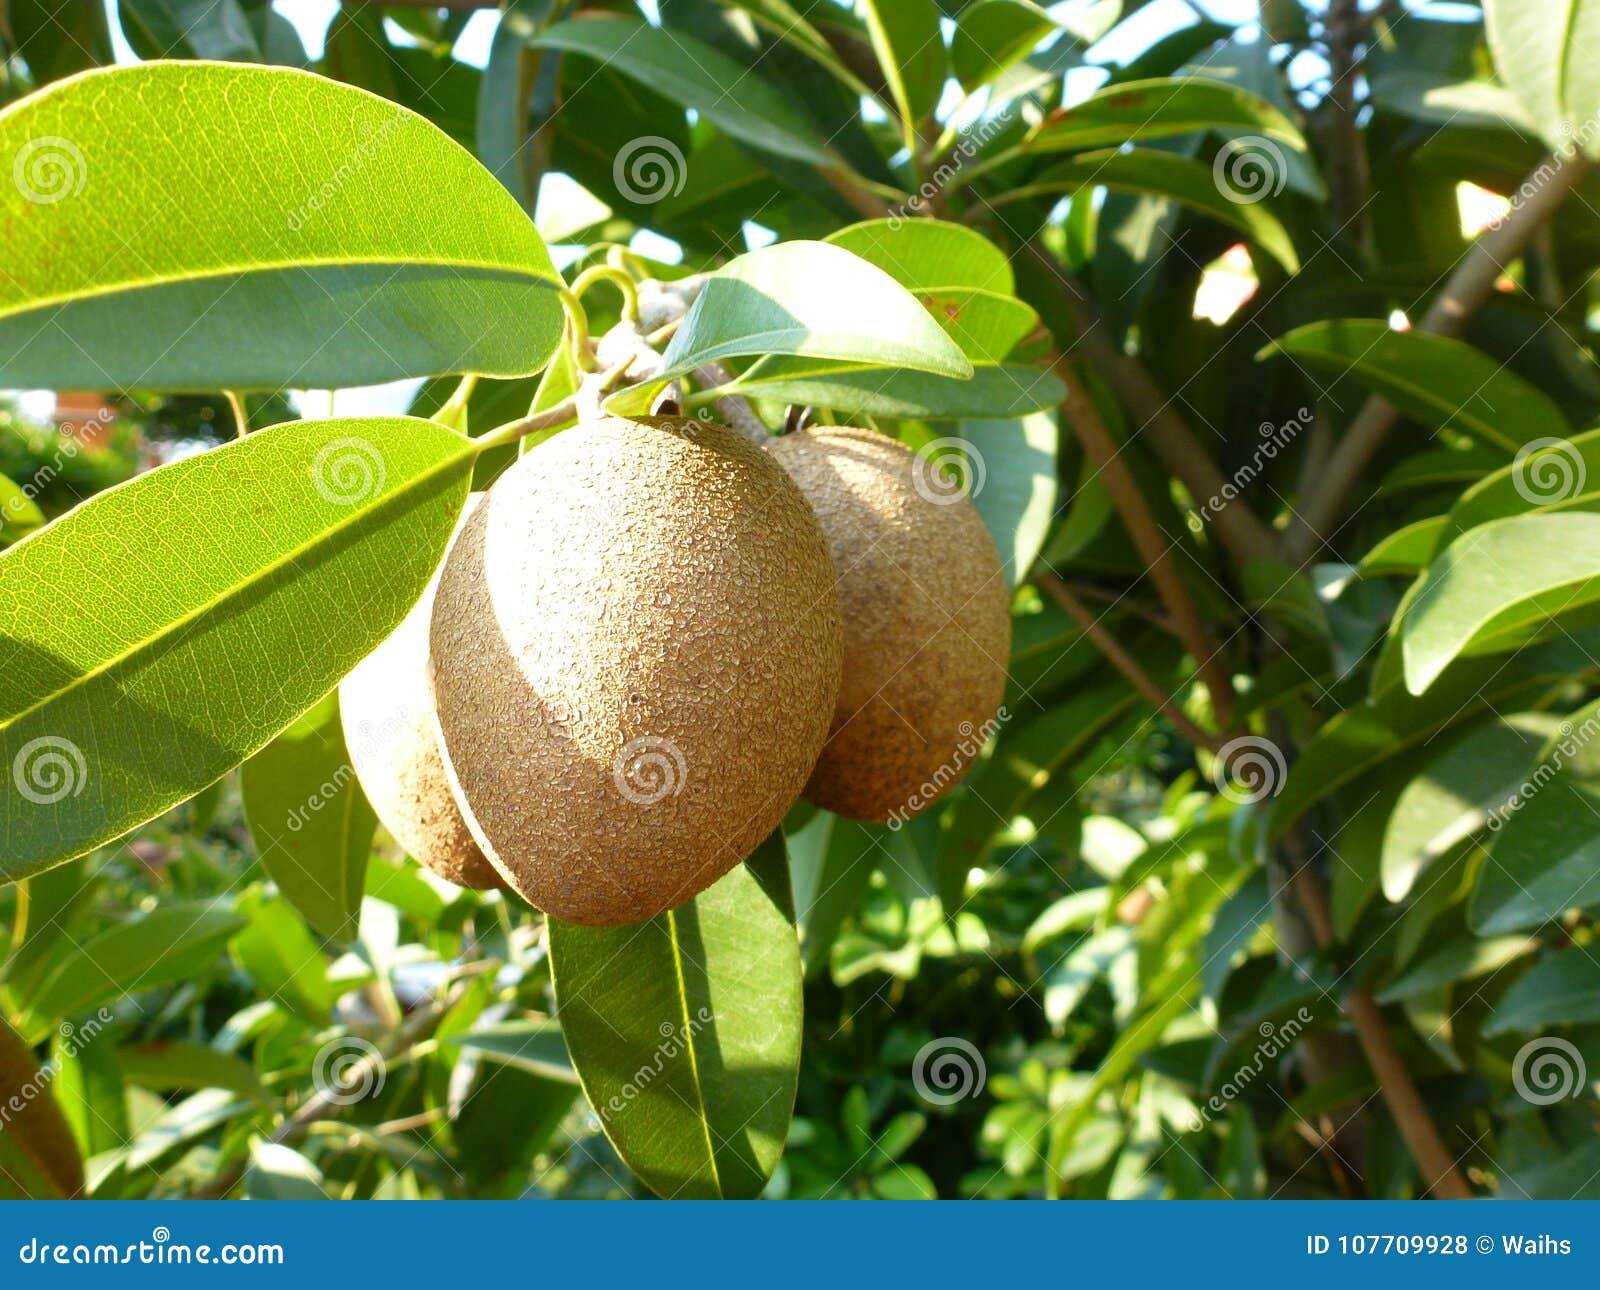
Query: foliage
{"x": 1294, "y": 787}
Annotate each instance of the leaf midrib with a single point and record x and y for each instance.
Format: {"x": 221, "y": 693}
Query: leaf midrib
{"x": 694, "y": 1061}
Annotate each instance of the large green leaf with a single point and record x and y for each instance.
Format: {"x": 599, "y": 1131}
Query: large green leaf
{"x": 163, "y": 631}
{"x": 993, "y": 390}
{"x": 833, "y": 861}
{"x": 310, "y": 820}
{"x": 1159, "y": 109}
{"x": 1437, "y": 380}
{"x": 1544, "y": 856}
{"x": 992, "y": 35}
{"x": 1017, "y": 497}
{"x": 1558, "y": 990}
{"x": 685, "y": 1031}
{"x": 929, "y": 255}
{"x": 39, "y": 1158}
{"x": 1546, "y": 54}
{"x": 910, "y": 46}
{"x": 1497, "y": 586}
{"x": 1189, "y": 183}
{"x": 697, "y": 76}
{"x": 198, "y": 226}
{"x": 1551, "y": 475}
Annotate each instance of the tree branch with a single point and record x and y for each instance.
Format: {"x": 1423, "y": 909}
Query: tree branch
{"x": 1123, "y": 661}
{"x": 1463, "y": 295}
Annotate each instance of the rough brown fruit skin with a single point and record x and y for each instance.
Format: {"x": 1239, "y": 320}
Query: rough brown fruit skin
{"x": 927, "y": 624}
{"x": 386, "y": 708}
{"x": 637, "y": 647}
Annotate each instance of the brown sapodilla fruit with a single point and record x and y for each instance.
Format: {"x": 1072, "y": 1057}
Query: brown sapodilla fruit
{"x": 386, "y": 708}
{"x": 927, "y": 622}
{"x": 636, "y": 644}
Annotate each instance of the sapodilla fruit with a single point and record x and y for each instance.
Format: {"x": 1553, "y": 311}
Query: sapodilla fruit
{"x": 386, "y": 708}
{"x": 927, "y": 622}
{"x": 637, "y": 646}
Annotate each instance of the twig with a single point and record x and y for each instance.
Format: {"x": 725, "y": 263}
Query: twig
{"x": 1463, "y": 295}
{"x": 1245, "y": 536}
{"x": 1439, "y": 1171}
{"x": 1084, "y": 417}
{"x": 1349, "y": 172}
{"x": 1123, "y": 661}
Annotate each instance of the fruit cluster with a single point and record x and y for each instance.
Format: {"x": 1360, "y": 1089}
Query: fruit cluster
{"x": 651, "y": 636}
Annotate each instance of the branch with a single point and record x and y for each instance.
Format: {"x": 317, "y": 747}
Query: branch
{"x": 1349, "y": 171}
{"x": 1123, "y": 661}
{"x": 1438, "y": 1168}
{"x": 1238, "y": 527}
{"x": 1463, "y": 295}
{"x": 1084, "y": 417}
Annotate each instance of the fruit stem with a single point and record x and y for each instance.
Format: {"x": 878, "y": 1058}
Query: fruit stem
{"x": 550, "y": 418}
{"x": 241, "y": 419}
{"x": 618, "y": 278}
{"x": 578, "y": 321}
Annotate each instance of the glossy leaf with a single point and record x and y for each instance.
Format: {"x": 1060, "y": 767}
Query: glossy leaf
{"x": 1159, "y": 109}
{"x": 991, "y": 35}
{"x": 278, "y": 1172}
{"x": 100, "y": 719}
{"x": 1546, "y": 55}
{"x": 310, "y": 821}
{"x": 929, "y": 254}
{"x": 910, "y": 47}
{"x": 707, "y": 999}
{"x": 321, "y": 260}
{"x": 1017, "y": 499}
{"x": 1559, "y": 989}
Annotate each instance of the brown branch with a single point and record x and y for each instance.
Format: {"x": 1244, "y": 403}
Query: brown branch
{"x": 1438, "y": 1168}
{"x": 1084, "y": 417}
{"x": 1123, "y": 661}
{"x": 1238, "y": 527}
{"x": 1349, "y": 173}
{"x": 1463, "y": 295}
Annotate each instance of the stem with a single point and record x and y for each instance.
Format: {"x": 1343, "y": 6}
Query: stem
{"x": 1079, "y": 411}
{"x": 1463, "y": 295}
{"x": 241, "y": 419}
{"x": 1238, "y": 527}
{"x": 1438, "y": 1168}
{"x": 1349, "y": 172}
{"x": 578, "y": 322}
{"x": 617, "y": 277}
{"x": 1124, "y": 662}
{"x": 454, "y": 411}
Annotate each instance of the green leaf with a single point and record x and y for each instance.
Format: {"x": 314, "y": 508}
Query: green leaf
{"x": 19, "y": 513}
{"x": 1548, "y": 475}
{"x": 1494, "y": 587}
{"x": 1159, "y": 109}
{"x": 278, "y": 1172}
{"x": 123, "y": 699}
{"x": 685, "y": 1031}
{"x": 1558, "y": 990}
{"x": 39, "y": 1157}
{"x": 1455, "y": 796}
{"x": 993, "y": 391}
{"x": 1405, "y": 551}
{"x": 1546, "y": 55}
{"x": 310, "y": 821}
{"x": 992, "y": 35}
{"x": 343, "y": 241}
{"x": 1461, "y": 960}
{"x": 165, "y": 1065}
{"x": 697, "y": 76}
{"x": 1439, "y": 381}
{"x": 812, "y": 300}
{"x": 1189, "y": 183}
{"x": 172, "y": 943}
{"x": 833, "y": 860}
{"x": 910, "y": 47}
{"x": 275, "y": 948}
{"x": 534, "y": 1046}
{"x": 929, "y": 255}
{"x": 216, "y": 29}
{"x": 1017, "y": 496}
{"x": 1546, "y": 841}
